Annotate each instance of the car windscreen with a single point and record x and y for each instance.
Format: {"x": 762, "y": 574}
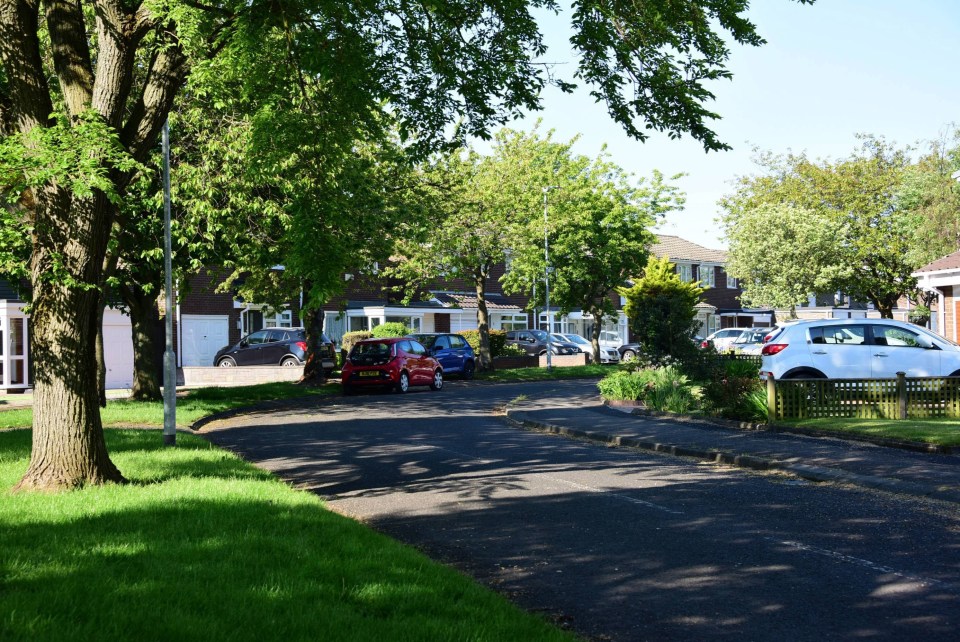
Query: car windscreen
{"x": 370, "y": 354}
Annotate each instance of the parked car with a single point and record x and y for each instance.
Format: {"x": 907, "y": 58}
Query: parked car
{"x": 395, "y": 363}
{"x": 629, "y": 351}
{"x": 858, "y": 349}
{"x": 751, "y": 341}
{"x": 561, "y": 345}
{"x": 536, "y": 342}
{"x": 607, "y": 354}
{"x": 274, "y": 346}
{"x": 721, "y": 340}
{"x": 610, "y": 339}
{"x": 451, "y": 350}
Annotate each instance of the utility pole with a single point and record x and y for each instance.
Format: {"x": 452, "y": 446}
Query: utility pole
{"x": 546, "y": 260}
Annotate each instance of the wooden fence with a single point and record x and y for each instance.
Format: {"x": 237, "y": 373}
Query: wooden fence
{"x": 900, "y": 398}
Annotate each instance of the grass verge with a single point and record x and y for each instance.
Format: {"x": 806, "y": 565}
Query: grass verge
{"x": 542, "y": 374}
{"x": 203, "y": 546}
{"x": 942, "y": 432}
{"x": 195, "y": 405}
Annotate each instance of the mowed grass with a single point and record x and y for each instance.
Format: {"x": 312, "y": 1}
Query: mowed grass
{"x": 542, "y": 374}
{"x": 192, "y": 406}
{"x": 203, "y": 546}
{"x": 942, "y": 432}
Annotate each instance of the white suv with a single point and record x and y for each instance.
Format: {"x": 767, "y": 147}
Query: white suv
{"x": 858, "y": 349}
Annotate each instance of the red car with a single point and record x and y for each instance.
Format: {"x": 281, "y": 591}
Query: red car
{"x": 391, "y": 363}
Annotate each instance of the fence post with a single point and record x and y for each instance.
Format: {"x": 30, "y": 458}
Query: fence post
{"x": 902, "y": 394}
{"x": 771, "y": 399}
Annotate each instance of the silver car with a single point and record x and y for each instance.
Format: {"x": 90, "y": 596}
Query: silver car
{"x": 607, "y": 354}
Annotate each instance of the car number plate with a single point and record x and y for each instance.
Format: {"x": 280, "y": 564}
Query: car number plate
{"x": 370, "y": 373}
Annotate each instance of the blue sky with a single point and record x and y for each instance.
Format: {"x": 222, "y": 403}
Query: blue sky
{"x": 827, "y": 72}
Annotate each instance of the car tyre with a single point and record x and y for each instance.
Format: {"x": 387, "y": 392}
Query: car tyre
{"x": 628, "y": 356}
{"x": 403, "y": 383}
{"x": 289, "y": 362}
{"x": 226, "y": 362}
{"x": 469, "y": 369}
{"x": 437, "y": 380}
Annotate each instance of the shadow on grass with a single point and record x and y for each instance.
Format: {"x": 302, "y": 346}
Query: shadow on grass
{"x": 219, "y": 554}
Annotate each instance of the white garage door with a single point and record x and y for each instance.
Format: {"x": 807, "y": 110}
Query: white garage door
{"x": 203, "y": 335}
{"x": 117, "y": 349}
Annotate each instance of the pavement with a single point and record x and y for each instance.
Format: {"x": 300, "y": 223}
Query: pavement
{"x": 816, "y": 458}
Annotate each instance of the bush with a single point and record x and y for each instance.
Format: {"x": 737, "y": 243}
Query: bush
{"x": 498, "y": 342}
{"x": 736, "y": 397}
{"x": 353, "y": 337}
{"x": 665, "y": 388}
{"x": 391, "y": 329}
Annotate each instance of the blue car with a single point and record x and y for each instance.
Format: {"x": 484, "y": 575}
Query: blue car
{"x": 451, "y": 350}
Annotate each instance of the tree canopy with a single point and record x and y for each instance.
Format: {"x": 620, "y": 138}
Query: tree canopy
{"x": 85, "y": 88}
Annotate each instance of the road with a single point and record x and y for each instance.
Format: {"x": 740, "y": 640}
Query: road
{"x": 612, "y": 543}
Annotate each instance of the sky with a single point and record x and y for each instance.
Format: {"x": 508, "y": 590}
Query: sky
{"x": 828, "y": 71}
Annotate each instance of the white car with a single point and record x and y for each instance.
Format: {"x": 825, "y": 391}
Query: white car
{"x": 858, "y": 349}
{"x": 722, "y": 339}
{"x": 607, "y": 354}
{"x": 610, "y": 339}
{"x": 750, "y": 342}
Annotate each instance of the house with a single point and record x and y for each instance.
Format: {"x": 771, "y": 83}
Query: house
{"x": 942, "y": 278}
{"x": 15, "y": 366}
{"x": 450, "y": 305}
{"x": 720, "y": 307}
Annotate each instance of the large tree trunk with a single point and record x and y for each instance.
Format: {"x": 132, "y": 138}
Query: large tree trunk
{"x": 68, "y": 443}
{"x": 145, "y": 328}
{"x": 483, "y": 322}
{"x": 595, "y": 334}
{"x": 313, "y": 372}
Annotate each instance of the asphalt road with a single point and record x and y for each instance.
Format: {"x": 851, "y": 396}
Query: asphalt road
{"x": 612, "y": 543}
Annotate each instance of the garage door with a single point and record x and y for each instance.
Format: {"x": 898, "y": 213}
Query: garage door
{"x": 203, "y": 335}
{"x": 117, "y": 349}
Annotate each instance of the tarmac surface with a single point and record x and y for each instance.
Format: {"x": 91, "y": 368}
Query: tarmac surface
{"x": 817, "y": 458}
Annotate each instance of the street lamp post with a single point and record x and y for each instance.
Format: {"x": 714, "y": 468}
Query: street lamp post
{"x": 546, "y": 281}
{"x": 169, "y": 364}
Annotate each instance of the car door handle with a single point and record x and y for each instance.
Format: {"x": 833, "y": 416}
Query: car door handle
{"x": 880, "y": 354}
{"x": 819, "y": 352}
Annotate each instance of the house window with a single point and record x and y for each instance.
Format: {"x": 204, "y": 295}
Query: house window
{"x": 359, "y": 324}
{"x": 282, "y": 320}
{"x": 513, "y": 321}
{"x": 685, "y": 270}
{"x": 708, "y": 276}
{"x": 411, "y": 322}
{"x": 732, "y": 282}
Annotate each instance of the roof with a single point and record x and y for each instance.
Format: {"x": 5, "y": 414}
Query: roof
{"x": 949, "y": 262}
{"x": 466, "y": 300}
{"x": 676, "y": 248}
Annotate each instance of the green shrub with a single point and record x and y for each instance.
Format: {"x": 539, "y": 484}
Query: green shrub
{"x": 498, "y": 342}
{"x": 665, "y": 388}
{"x": 742, "y": 368}
{"x": 736, "y": 397}
{"x": 391, "y": 329}
{"x": 352, "y": 337}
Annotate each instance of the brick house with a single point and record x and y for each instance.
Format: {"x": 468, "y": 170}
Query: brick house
{"x": 942, "y": 277}
{"x": 720, "y": 307}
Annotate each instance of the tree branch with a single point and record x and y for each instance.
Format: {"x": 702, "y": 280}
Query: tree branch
{"x": 71, "y": 53}
{"x": 28, "y": 95}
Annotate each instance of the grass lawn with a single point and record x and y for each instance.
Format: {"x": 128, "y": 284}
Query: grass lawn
{"x": 203, "y": 546}
{"x": 943, "y": 432}
{"x": 542, "y": 374}
{"x": 195, "y": 405}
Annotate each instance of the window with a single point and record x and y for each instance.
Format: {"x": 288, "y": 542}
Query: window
{"x": 442, "y": 343}
{"x": 257, "y": 337}
{"x": 358, "y": 324}
{"x": 685, "y": 271}
{"x": 513, "y": 321}
{"x": 417, "y": 349}
{"x": 898, "y": 337}
{"x": 851, "y": 335}
{"x": 281, "y": 320}
{"x": 708, "y": 276}
{"x": 732, "y": 282}
{"x": 411, "y": 322}
{"x": 457, "y": 342}
{"x": 276, "y": 335}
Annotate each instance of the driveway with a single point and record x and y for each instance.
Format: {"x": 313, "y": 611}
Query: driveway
{"x": 614, "y": 543}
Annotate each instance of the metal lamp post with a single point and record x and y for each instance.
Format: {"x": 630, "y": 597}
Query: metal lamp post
{"x": 169, "y": 363}
{"x": 546, "y": 281}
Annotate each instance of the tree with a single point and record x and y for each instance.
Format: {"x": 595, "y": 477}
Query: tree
{"x": 856, "y": 199}
{"x": 780, "y": 254}
{"x": 86, "y": 88}
{"x": 662, "y": 311}
{"x": 598, "y": 229}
